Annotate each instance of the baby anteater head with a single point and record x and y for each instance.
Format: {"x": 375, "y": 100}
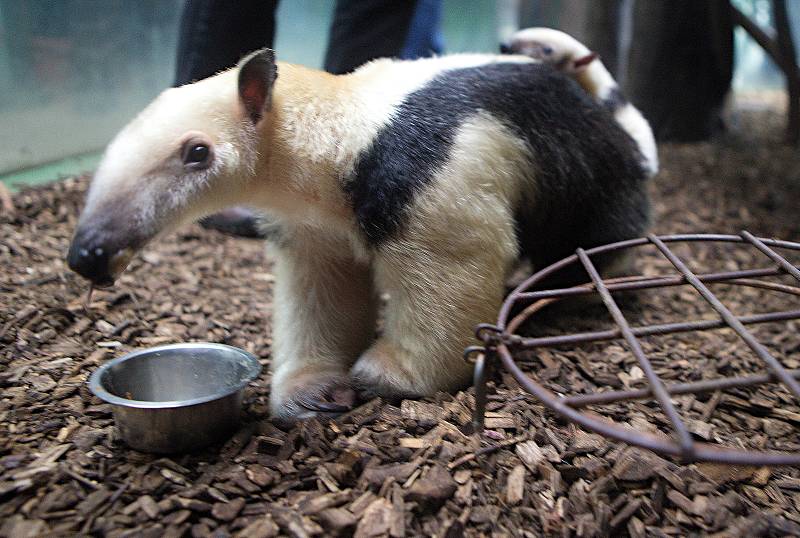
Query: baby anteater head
{"x": 191, "y": 152}
{"x": 552, "y": 47}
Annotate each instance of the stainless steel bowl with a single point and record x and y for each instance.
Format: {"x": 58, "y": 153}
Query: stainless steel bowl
{"x": 176, "y": 398}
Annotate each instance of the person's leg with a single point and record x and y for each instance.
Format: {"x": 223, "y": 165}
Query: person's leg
{"x": 362, "y": 31}
{"x": 424, "y": 37}
{"x": 215, "y": 34}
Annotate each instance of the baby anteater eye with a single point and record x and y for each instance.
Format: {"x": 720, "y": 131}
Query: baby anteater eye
{"x": 547, "y": 50}
{"x": 196, "y": 155}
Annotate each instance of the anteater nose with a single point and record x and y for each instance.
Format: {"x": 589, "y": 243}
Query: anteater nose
{"x": 505, "y": 48}
{"x": 91, "y": 262}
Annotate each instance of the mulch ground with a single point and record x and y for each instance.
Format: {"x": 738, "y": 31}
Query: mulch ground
{"x": 401, "y": 468}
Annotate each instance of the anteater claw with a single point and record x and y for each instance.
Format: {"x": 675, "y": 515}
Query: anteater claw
{"x": 327, "y": 396}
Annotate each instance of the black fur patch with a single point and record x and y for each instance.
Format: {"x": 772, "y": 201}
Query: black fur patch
{"x": 589, "y": 183}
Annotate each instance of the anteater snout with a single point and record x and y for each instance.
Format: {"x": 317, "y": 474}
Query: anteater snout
{"x": 97, "y": 259}
{"x": 92, "y": 262}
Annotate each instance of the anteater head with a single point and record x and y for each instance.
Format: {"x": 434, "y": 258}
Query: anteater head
{"x": 192, "y": 151}
{"x": 552, "y": 47}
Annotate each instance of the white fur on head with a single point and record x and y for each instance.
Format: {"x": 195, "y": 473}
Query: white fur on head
{"x": 143, "y": 179}
{"x": 549, "y": 46}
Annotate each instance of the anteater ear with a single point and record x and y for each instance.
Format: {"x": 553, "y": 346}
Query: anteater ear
{"x": 257, "y": 74}
{"x": 582, "y": 63}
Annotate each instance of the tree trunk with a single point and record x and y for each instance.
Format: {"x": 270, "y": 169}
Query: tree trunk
{"x": 789, "y": 65}
{"x": 602, "y": 33}
{"x": 681, "y": 65}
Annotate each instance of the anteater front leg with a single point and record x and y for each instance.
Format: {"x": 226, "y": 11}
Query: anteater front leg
{"x": 324, "y": 318}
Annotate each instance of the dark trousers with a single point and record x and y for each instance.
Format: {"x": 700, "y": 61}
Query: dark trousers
{"x": 363, "y": 30}
{"x": 215, "y": 34}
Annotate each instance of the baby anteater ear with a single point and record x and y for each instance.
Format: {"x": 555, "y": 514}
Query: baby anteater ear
{"x": 582, "y": 63}
{"x": 257, "y": 74}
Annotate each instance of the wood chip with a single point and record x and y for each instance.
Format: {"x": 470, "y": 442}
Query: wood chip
{"x": 436, "y": 486}
{"x": 636, "y": 465}
{"x": 423, "y": 413}
{"x": 530, "y": 454}
{"x": 377, "y": 519}
{"x": 229, "y": 510}
{"x": 263, "y": 527}
{"x": 336, "y": 519}
{"x": 515, "y": 485}
{"x": 149, "y": 506}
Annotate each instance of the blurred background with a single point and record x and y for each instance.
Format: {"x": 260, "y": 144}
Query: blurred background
{"x": 72, "y": 72}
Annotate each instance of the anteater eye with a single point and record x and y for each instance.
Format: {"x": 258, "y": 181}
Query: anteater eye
{"x": 547, "y": 50}
{"x": 196, "y": 155}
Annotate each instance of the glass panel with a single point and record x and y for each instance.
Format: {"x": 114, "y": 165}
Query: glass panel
{"x": 73, "y": 71}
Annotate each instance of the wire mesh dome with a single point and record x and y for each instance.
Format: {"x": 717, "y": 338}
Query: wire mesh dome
{"x": 503, "y": 345}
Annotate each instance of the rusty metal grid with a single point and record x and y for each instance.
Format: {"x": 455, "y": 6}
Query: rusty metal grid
{"x": 501, "y": 342}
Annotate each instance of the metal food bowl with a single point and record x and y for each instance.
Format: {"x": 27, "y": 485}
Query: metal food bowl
{"x": 176, "y": 398}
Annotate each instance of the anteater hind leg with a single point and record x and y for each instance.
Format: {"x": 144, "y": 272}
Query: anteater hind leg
{"x": 436, "y": 300}
{"x": 445, "y": 269}
{"x": 443, "y": 278}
